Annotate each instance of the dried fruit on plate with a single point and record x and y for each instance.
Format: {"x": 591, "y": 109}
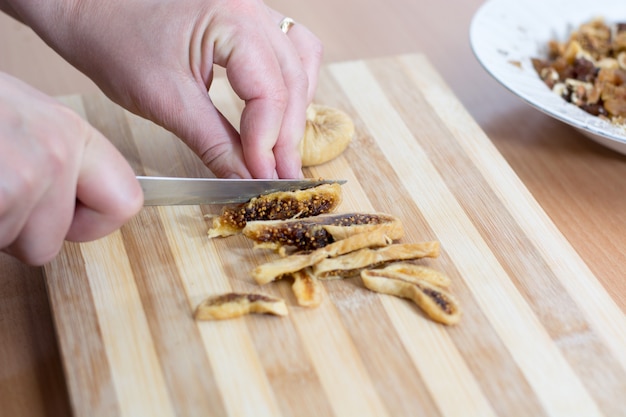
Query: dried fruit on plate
{"x": 589, "y": 69}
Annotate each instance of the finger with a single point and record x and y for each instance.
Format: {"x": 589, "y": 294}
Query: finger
{"x": 309, "y": 49}
{"x": 107, "y": 192}
{"x": 256, "y": 77}
{"x": 20, "y": 191}
{"x": 184, "y": 107}
{"x": 286, "y": 150}
{"x": 276, "y": 99}
{"x": 311, "y": 52}
{"x": 46, "y": 217}
{"x": 17, "y": 175}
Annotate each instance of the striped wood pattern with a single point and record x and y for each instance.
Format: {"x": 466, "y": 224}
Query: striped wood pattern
{"x": 539, "y": 336}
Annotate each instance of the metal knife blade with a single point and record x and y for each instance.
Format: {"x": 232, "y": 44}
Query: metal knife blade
{"x": 168, "y": 191}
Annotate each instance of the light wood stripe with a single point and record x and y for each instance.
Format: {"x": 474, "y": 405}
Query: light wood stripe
{"x": 228, "y": 346}
{"x": 337, "y": 348}
{"x": 83, "y": 351}
{"x": 125, "y": 333}
{"x": 426, "y": 344}
{"x": 177, "y": 342}
{"x": 388, "y": 363}
{"x": 529, "y": 271}
{"x": 600, "y": 309}
{"x": 485, "y": 355}
{"x": 290, "y": 374}
{"x": 537, "y": 356}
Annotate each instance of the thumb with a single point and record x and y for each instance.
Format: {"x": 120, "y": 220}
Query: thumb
{"x": 107, "y": 192}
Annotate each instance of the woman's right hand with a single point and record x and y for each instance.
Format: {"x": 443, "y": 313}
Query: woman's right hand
{"x": 59, "y": 177}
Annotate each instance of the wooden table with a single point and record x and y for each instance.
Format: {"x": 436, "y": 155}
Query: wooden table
{"x": 578, "y": 183}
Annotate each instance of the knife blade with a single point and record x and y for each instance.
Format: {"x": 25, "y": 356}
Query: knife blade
{"x": 168, "y": 191}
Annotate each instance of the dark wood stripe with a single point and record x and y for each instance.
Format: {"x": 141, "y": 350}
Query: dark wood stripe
{"x": 188, "y": 374}
{"x": 90, "y": 381}
{"x": 398, "y": 382}
{"x": 26, "y": 321}
{"x": 528, "y": 270}
{"x": 292, "y": 376}
{"x": 385, "y": 191}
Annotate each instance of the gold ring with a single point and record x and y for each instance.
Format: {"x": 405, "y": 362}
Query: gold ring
{"x": 286, "y": 24}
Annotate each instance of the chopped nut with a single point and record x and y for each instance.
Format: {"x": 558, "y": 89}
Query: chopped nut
{"x": 589, "y": 69}
{"x": 621, "y": 60}
{"x": 438, "y": 304}
{"x": 233, "y": 305}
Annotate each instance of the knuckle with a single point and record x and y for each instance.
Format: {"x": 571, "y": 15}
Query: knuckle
{"x": 43, "y": 255}
{"x": 316, "y": 50}
{"x": 301, "y": 82}
{"x": 279, "y": 96}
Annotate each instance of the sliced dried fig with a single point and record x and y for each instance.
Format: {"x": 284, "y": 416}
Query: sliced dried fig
{"x": 277, "y": 206}
{"x": 319, "y": 231}
{"x": 274, "y": 270}
{"x": 327, "y": 133}
{"x": 231, "y": 305}
{"x": 438, "y": 304}
{"x": 307, "y": 288}
{"x": 414, "y": 273}
{"x": 353, "y": 263}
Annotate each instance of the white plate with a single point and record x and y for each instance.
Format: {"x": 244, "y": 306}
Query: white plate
{"x": 504, "y": 32}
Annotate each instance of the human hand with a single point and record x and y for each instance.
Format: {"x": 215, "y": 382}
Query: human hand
{"x": 156, "y": 59}
{"x": 59, "y": 177}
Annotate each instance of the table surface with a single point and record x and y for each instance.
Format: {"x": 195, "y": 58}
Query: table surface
{"x": 577, "y": 182}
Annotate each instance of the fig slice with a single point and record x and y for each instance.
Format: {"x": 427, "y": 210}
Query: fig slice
{"x": 277, "y": 206}
{"x": 306, "y": 288}
{"x": 353, "y": 263}
{"x": 315, "y": 232}
{"x": 276, "y": 269}
{"x": 414, "y": 273}
{"x": 436, "y": 303}
{"x": 231, "y": 305}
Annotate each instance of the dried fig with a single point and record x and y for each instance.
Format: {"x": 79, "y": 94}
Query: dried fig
{"x": 327, "y": 134}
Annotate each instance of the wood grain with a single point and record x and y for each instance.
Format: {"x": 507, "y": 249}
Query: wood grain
{"x": 540, "y": 335}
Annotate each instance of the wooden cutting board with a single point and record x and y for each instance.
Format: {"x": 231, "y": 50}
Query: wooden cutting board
{"x": 539, "y": 334}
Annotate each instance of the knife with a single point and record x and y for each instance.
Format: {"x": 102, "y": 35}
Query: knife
{"x": 168, "y": 191}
